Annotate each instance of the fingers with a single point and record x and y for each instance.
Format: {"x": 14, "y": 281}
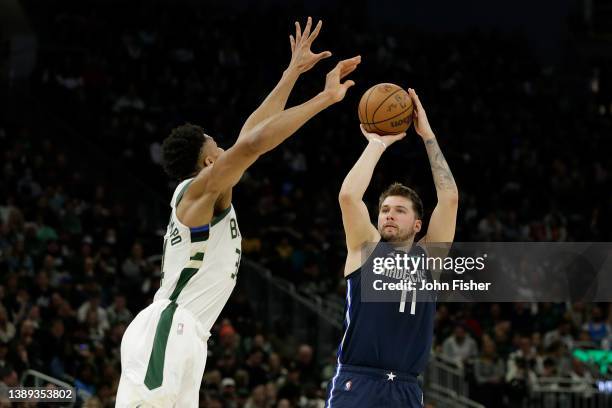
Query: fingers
{"x": 307, "y": 28}
{"x": 348, "y": 65}
{"x": 415, "y": 99}
{"x": 344, "y": 71}
{"x": 298, "y": 33}
{"x": 322, "y": 55}
{"x": 365, "y": 133}
{"x": 315, "y": 33}
{"x": 348, "y": 84}
{"x": 399, "y": 136}
{"x": 354, "y": 60}
{"x": 307, "y": 36}
{"x": 343, "y": 68}
{"x": 292, "y": 42}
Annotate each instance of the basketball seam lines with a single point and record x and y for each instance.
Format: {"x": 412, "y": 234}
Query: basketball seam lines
{"x": 392, "y": 117}
{"x": 366, "y": 104}
{"x": 366, "y": 107}
{"x": 383, "y": 102}
{"x": 359, "y": 111}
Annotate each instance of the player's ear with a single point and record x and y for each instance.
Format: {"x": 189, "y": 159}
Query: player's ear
{"x": 418, "y": 224}
{"x": 208, "y": 161}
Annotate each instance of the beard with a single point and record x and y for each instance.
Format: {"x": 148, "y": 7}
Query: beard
{"x": 395, "y": 236}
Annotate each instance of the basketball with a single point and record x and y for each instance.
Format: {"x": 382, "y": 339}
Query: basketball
{"x": 385, "y": 109}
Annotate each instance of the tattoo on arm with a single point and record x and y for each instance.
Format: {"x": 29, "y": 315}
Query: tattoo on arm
{"x": 443, "y": 178}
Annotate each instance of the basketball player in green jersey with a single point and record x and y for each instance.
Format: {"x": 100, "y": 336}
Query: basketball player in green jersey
{"x": 163, "y": 351}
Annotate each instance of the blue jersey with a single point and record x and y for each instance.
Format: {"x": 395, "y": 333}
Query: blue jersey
{"x": 392, "y": 335}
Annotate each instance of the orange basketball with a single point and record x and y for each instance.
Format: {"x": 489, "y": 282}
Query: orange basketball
{"x": 385, "y": 109}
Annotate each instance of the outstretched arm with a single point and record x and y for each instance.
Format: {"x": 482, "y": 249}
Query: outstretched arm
{"x": 444, "y": 217}
{"x": 302, "y": 59}
{"x": 358, "y": 227}
{"x": 229, "y": 167}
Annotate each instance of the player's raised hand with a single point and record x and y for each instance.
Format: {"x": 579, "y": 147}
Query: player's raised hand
{"x": 333, "y": 87}
{"x": 421, "y": 123}
{"x": 302, "y": 57}
{"x": 386, "y": 140}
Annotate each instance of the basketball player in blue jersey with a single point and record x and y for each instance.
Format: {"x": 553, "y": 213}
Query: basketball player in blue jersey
{"x": 163, "y": 351}
{"x": 386, "y": 345}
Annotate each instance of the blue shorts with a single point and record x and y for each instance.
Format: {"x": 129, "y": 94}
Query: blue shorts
{"x": 355, "y": 386}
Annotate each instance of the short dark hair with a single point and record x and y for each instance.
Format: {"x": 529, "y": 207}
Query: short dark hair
{"x": 181, "y": 151}
{"x": 398, "y": 189}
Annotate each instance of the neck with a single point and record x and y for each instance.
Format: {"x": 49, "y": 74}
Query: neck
{"x": 399, "y": 244}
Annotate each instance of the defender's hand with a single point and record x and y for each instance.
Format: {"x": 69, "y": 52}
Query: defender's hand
{"x": 333, "y": 87}
{"x": 385, "y": 141}
{"x": 302, "y": 58}
{"x": 421, "y": 123}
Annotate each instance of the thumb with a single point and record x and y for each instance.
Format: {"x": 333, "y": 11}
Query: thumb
{"x": 397, "y": 137}
{"x": 322, "y": 55}
{"x": 348, "y": 84}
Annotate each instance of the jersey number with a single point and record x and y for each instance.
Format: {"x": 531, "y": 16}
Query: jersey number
{"x": 403, "y": 302}
{"x": 234, "y": 228}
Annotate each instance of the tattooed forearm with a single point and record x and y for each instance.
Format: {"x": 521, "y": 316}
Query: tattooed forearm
{"x": 443, "y": 178}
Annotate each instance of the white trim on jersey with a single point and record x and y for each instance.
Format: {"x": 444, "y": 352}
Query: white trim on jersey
{"x": 348, "y": 323}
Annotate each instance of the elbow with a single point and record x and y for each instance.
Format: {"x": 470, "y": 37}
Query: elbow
{"x": 251, "y": 145}
{"x": 345, "y": 196}
{"x": 348, "y": 199}
{"x": 454, "y": 198}
{"x": 258, "y": 139}
{"x": 450, "y": 197}
{"x": 349, "y": 192}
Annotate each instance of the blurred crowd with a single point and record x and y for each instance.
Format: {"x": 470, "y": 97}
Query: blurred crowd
{"x": 505, "y": 349}
{"x": 528, "y": 144}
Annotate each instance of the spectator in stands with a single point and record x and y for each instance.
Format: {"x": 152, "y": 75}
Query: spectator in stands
{"x": 92, "y": 306}
{"x": 8, "y": 378}
{"x": 490, "y": 228}
{"x": 271, "y": 394}
{"x": 228, "y": 392}
{"x": 501, "y": 335}
{"x": 460, "y": 346}
{"x": 582, "y": 377}
{"x": 56, "y": 362}
{"x": 548, "y": 378}
{"x": 306, "y": 364}
{"x": 559, "y": 354}
{"x": 291, "y": 388}
{"x": 7, "y": 329}
{"x": 276, "y": 371}
{"x": 577, "y": 314}
{"x": 3, "y": 354}
{"x": 135, "y": 267}
{"x": 521, "y": 317}
{"x": 522, "y": 360}
{"x": 258, "y": 398}
{"x": 254, "y": 367}
{"x": 118, "y": 311}
{"x": 489, "y": 372}
{"x": 597, "y": 327}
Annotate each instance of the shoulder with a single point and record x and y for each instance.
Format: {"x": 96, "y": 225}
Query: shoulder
{"x": 359, "y": 257}
{"x": 223, "y": 214}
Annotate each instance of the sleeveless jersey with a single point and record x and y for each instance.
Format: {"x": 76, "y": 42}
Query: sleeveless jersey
{"x": 200, "y": 265}
{"x": 391, "y": 335}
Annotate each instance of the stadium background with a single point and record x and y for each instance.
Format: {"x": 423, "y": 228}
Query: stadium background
{"x": 519, "y": 95}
